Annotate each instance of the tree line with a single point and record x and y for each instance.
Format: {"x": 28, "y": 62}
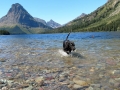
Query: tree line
{"x": 4, "y": 32}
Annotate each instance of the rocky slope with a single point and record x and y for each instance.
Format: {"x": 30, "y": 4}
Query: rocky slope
{"x": 82, "y": 15}
{"x": 40, "y": 20}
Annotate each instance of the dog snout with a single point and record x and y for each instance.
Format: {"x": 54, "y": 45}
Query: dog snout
{"x": 74, "y": 48}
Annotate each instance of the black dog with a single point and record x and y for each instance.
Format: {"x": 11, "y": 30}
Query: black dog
{"x": 68, "y": 46}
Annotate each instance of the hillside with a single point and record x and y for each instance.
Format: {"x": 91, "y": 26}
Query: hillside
{"x": 104, "y": 18}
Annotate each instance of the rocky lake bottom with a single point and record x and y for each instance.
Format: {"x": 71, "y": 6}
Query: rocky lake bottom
{"x": 35, "y": 63}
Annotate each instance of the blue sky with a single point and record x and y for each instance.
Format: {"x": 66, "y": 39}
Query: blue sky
{"x": 61, "y": 11}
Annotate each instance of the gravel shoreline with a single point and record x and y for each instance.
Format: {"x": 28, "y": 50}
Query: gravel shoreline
{"x": 88, "y": 75}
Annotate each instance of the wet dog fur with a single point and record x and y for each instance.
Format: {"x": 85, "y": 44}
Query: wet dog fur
{"x": 68, "y": 45}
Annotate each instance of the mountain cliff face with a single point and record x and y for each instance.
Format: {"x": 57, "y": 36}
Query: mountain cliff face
{"x": 17, "y": 15}
{"x": 40, "y": 20}
{"x": 104, "y": 18}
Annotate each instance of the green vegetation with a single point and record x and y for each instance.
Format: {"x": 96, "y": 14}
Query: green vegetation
{"x": 4, "y": 32}
{"x": 18, "y": 29}
{"x": 105, "y": 18}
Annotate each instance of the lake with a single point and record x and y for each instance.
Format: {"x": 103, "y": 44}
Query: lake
{"x": 97, "y": 50}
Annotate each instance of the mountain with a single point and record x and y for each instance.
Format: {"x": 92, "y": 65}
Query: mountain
{"x": 104, "y": 18}
{"x": 40, "y": 20}
{"x": 82, "y": 15}
{"x": 18, "y": 17}
{"x": 53, "y": 24}
{"x": 50, "y": 23}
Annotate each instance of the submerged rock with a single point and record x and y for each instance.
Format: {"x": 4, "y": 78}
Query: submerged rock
{"x": 2, "y": 60}
{"x": 39, "y": 80}
{"x": 116, "y": 72}
{"x": 62, "y": 88}
{"x": 76, "y": 86}
{"x": 80, "y": 82}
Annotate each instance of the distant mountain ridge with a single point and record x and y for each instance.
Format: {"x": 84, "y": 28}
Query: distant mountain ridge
{"x": 50, "y": 23}
{"x": 18, "y": 18}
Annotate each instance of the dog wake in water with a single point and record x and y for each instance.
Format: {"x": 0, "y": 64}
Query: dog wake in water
{"x": 62, "y": 53}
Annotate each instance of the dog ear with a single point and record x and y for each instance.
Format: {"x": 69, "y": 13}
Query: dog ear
{"x": 73, "y": 44}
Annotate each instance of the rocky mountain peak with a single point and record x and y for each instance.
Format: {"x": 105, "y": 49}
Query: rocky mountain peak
{"x": 79, "y": 17}
{"x": 82, "y": 15}
{"x": 51, "y": 20}
{"x": 18, "y": 15}
{"x": 16, "y": 8}
{"x": 53, "y": 24}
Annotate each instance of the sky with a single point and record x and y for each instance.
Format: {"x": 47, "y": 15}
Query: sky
{"x": 61, "y": 11}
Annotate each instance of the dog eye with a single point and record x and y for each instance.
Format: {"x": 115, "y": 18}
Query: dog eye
{"x": 72, "y": 44}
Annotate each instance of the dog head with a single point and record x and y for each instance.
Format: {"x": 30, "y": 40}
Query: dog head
{"x": 68, "y": 46}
